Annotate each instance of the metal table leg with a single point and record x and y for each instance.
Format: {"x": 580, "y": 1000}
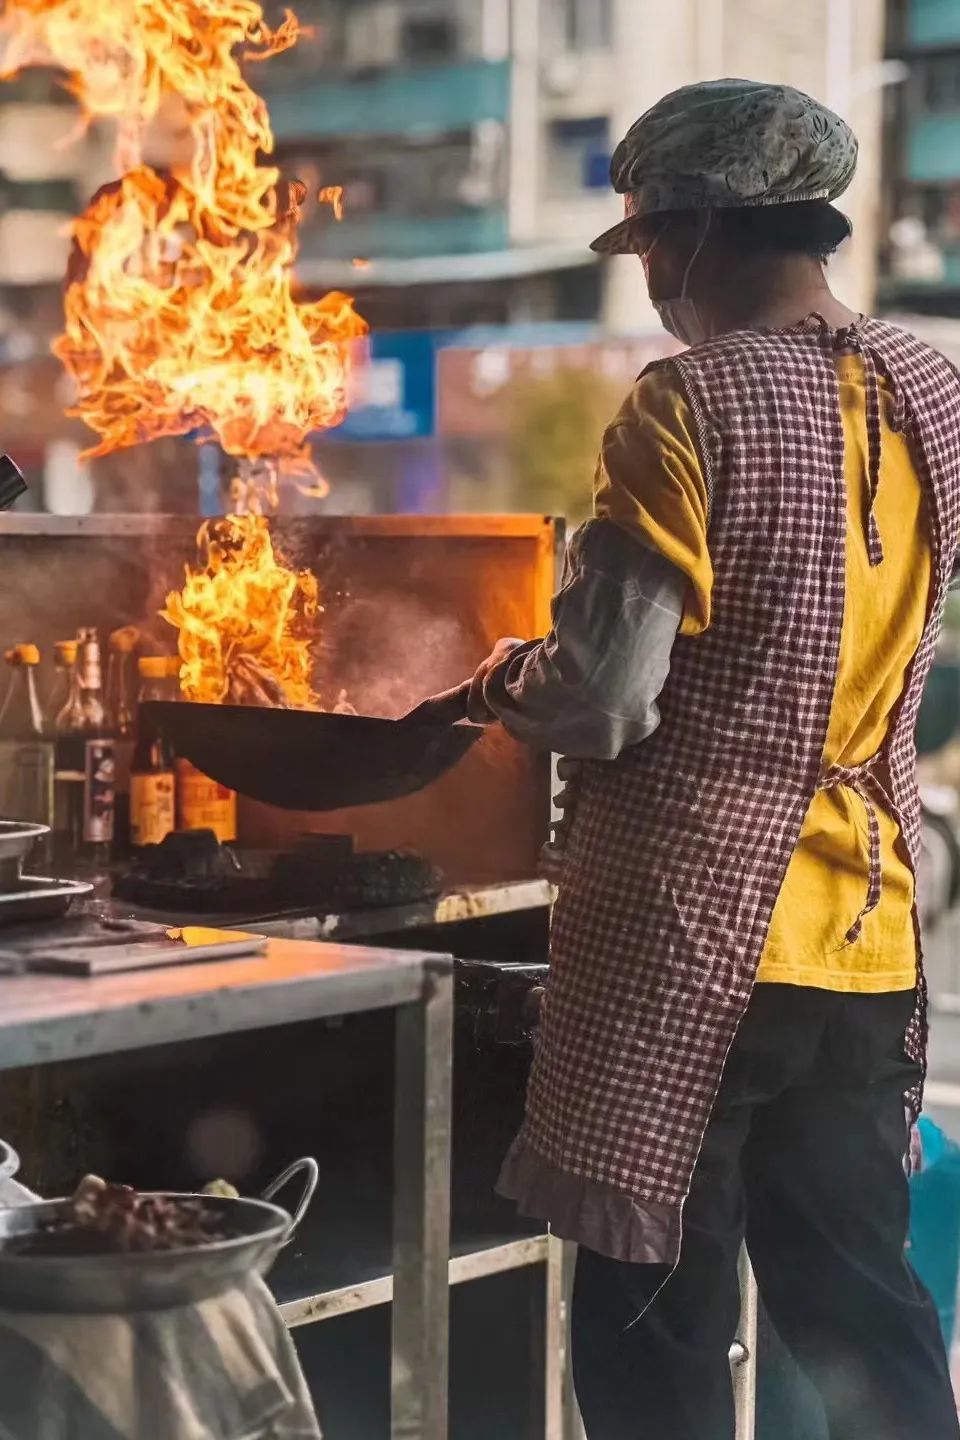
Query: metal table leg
{"x": 421, "y": 1212}
{"x": 562, "y": 1412}
{"x": 744, "y": 1355}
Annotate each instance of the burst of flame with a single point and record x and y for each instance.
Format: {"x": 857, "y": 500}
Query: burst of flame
{"x": 180, "y": 309}
{"x": 180, "y": 312}
{"x": 172, "y": 327}
{"x": 244, "y": 619}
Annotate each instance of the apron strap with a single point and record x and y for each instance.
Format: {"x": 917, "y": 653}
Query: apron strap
{"x": 860, "y": 779}
{"x": 851, "y": 340}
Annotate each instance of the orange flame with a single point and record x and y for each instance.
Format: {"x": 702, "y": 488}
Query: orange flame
{"x": 245, "y": 619}
{"x": 180, "y": 309}
{"x": 332, "y": 195}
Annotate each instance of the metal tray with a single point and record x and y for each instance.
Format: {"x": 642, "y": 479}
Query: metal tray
{"x": 125, "y": 1284}
{"x": 39, "y": 897}
{"x": 17, "y": 839}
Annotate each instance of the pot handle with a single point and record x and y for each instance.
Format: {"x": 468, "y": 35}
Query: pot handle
{"x": 311, "y": 1172}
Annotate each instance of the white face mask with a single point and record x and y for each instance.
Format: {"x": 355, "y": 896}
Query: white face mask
{"x": 680, "y": 316}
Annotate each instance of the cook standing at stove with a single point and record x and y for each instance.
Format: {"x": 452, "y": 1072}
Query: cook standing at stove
{"x": 734, "y": 1016}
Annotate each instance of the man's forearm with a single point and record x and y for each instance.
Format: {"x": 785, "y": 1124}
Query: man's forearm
{"x": 589, "y": 688}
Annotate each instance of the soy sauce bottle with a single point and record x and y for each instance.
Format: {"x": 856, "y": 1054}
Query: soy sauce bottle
{"x": 152, "y": 780}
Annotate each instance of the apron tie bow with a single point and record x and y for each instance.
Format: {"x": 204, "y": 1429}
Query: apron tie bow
{"x": 862, "y": 781}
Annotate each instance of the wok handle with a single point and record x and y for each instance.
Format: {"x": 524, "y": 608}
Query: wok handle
{"x": 444, "y": 709}
{"x": 312, "y": 1172}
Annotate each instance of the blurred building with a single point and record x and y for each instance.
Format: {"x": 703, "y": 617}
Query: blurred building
{"x": 46, "y": 174}
{"x": 472, "y": 138}
{"x": 921, "y": 241}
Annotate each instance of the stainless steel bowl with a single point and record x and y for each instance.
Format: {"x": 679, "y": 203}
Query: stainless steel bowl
{"x": 129, "y": 1282}
{"x": 17, "y": 839}
{"x": 125, "y": 1283}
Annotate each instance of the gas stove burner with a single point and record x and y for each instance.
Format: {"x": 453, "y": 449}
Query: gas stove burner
{"x": 191, "y": 871}
{"x": 328, "y": 866}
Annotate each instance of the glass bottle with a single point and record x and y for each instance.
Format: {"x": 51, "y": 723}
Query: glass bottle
{"x": 119, "y": 699}
{"x": 26, "y": 754}
{"x": 64, "y": 660}
{"x": 152, "y": 785}
{"x": 121, "y": 723}
{"x": 68, "y": 774}
{"x": 20, "y": 715}
{"x": 202, "y": 803}
{"x": 86, "y": 764}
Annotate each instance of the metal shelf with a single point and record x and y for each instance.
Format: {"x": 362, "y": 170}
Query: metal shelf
{"x": 115, "y": 525}
{"x": 302, "y": 922}
{"x": 474, "y": 1261}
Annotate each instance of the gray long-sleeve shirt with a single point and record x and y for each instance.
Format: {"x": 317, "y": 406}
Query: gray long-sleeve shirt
{"x": 589, "y": 688}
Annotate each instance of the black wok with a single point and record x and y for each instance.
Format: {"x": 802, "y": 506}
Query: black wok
{"x": 308, "y": 760}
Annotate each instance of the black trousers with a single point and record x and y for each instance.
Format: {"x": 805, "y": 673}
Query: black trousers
{"x": 803, "y": 1156}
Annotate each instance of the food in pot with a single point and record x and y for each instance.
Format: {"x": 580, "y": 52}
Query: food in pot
{"x": 112, "y": 1219}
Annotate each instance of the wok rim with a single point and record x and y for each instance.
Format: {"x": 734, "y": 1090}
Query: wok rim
{"x": 329, "y": 717}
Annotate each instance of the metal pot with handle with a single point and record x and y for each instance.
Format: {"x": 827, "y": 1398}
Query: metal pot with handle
{"x": 127, "y": 1282}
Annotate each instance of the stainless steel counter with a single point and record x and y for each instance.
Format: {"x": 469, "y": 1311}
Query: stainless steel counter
{"x": 46, "y": 1018}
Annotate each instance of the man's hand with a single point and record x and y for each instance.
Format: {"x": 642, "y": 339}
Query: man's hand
{"x": 477, "y": 709}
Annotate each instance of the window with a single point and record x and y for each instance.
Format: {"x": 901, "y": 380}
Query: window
{"x": 578, "y": 155}
{"x": 587, "y": 24}
{"x": 428, "y": 38}
{"x": 940, "y": 84}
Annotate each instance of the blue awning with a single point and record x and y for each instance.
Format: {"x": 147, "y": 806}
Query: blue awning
{"x": 444, "y": 269}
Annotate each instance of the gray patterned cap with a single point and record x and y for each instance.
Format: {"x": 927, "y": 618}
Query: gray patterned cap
{"x": 728, "y": 143}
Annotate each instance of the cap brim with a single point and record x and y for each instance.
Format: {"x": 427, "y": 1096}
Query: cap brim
{"x": 615, "y": 241}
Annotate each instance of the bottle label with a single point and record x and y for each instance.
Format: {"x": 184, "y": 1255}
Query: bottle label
{"x": 151, "y": 807}
{"x": 98, "y": 791}
{"x": 205, "y": 805}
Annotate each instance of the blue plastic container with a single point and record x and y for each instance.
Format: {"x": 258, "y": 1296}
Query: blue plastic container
{"x": 935, "y": 1223}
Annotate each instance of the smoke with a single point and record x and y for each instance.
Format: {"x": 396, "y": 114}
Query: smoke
{"x": 392, "y": 650}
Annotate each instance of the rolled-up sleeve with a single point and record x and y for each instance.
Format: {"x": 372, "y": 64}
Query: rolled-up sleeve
{"x": 589, "y": 689}
{"x": 650, "y": 482}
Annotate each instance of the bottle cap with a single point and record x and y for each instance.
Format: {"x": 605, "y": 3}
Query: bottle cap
{"x": 66, "y": 651}
{"x": 125, "y": 640}
{"x": 152, "y": 667}
{"x": 22, "y": 655}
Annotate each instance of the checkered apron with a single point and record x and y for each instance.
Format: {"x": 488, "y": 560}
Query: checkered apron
{"x": 677, "y": 850}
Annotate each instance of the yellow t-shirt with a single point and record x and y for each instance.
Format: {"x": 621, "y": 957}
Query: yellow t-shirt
{"x": 650, "y": 479}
